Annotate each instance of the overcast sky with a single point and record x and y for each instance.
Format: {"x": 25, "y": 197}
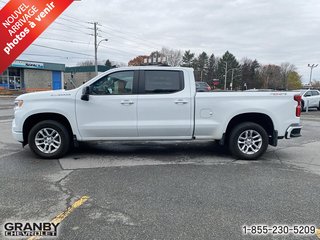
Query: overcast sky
{"x": 267, "y": 30}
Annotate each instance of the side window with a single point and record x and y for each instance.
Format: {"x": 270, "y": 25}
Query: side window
{"x": 119, "y": 83}
{"x": 308, "y": 94}
{"x": 160, "y": 82}
{"x": 315, "y": 93}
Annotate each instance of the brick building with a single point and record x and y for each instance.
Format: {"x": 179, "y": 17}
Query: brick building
{"x": 31, "y": 76}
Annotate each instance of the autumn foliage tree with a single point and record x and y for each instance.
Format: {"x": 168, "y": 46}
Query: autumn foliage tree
{"x": 137, "y": 61}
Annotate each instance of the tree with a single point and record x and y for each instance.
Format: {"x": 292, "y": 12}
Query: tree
{"x": 203, "y": 62}
{"x": 294, "y": 81}
{"x": 86, "y": 63}
{"x": 316, "y": 84}
{"x": 228, "y": 61}
{"x": 270, "y": 76}
{"x": 138, "y": 61}
{"x": 212, "y": 68}
{"x": 187, "y": 59}
{"x": 116, "y": 64}
{"x": 196, "y": 71}
{"x": 286, "y": 69}
{"x": 249, "y": 75}
{"x": 108, "y": 63}
{"x": 174, "y": 57}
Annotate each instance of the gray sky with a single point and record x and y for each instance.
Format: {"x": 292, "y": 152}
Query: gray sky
{"x": 270, "y": 31}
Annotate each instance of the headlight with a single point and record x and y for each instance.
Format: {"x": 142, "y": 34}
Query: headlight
{"x": 18, "y": 104}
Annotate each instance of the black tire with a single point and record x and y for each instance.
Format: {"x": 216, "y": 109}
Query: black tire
{"x": 61, "y": 135}
{"x": 302, "y": 106}
{"x": 255, "y": 148}
{"x": 319, "y": 106}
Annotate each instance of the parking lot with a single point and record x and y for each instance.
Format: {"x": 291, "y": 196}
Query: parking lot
{"x": 161, "y": 190}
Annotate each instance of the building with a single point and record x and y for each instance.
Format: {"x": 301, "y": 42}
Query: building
{"x": 76, "y": 76}
{"x": 30, "y": 76}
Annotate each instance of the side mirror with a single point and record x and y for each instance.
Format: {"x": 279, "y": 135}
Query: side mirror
{"x": 85, "y": 94}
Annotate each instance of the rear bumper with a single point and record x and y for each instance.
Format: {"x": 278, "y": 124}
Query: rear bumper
{"x": 293, "y": 131}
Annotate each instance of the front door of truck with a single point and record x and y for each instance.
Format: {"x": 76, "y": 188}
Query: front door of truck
{"x": 111, "y": 112}
{"x": 164, "y": 105}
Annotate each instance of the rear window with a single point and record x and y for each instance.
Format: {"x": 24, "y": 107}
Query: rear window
{"x": 315, "y": 93}
{"x": 157, "y": 82}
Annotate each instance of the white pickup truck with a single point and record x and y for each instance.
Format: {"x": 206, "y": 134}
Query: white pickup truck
{"x": 154, "y": 103}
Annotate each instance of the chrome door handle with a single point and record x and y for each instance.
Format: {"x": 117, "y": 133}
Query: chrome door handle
{"x": 127, "y": 102}
{"x": 181, "y": 101}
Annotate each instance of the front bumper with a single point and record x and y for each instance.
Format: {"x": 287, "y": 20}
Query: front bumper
{"x": 293, "y": 131}
{"x": 16, "y": 135}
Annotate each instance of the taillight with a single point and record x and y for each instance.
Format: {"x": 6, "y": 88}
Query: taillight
{"x": 298, "y": 108}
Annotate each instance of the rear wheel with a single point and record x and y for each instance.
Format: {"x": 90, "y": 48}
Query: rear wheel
{"x": 319, "y": 106}
{"x": 49, "y": 139}
{"x": 248, "y": 141}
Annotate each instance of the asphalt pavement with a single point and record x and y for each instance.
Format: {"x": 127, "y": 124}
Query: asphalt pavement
{"x": 162, "y": 190}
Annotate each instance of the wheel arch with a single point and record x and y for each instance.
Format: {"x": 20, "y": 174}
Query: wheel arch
{"x": 262, "y": 119}
{"x": 39, "y": 117}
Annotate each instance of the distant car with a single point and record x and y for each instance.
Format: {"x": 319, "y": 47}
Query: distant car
{"x": 310, "y": 98}
{"x": 203, "y": 87}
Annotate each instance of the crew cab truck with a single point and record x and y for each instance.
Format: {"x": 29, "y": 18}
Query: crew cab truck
{"x": 154, "y": 103}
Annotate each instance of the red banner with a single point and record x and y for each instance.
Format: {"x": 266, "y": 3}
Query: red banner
{"x": 21, "y": 22}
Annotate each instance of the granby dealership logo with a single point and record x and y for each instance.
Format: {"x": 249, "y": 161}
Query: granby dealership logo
{"x": 21, "y": 22}
{"x": 40, "y": 229}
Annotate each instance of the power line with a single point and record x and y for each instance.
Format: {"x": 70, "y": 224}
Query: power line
{"x": 74, "y": 19}
{"x": 135, "y": 37}
{"x": 70, "y": 27}
{"x": 126, "y": 53}
{"x": 136, "y": 43}
{"x": 62, "y": 40}
{"x": 59, "y": 49}
{"x": 73, "y": 22}
{"x": 66, "y": 30}
{"x": 42, "y": 55}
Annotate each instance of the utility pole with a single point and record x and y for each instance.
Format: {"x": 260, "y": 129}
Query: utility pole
{"x": 96, "y": 45}
{"x": 231, "y": 84}
{"x": 95, "y": 48}
{"x": 225, "y": 76}
{"x": 311, "y": 66}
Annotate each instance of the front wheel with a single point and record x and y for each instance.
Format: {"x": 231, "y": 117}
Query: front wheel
{"x": 248, "y": 141}
{"x": 49, "y": 139}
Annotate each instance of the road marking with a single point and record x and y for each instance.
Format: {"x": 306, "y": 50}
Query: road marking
{"x": 66, "y": 213}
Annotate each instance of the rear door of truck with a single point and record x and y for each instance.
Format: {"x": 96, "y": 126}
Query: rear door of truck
{"x": 164, "y": 105}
